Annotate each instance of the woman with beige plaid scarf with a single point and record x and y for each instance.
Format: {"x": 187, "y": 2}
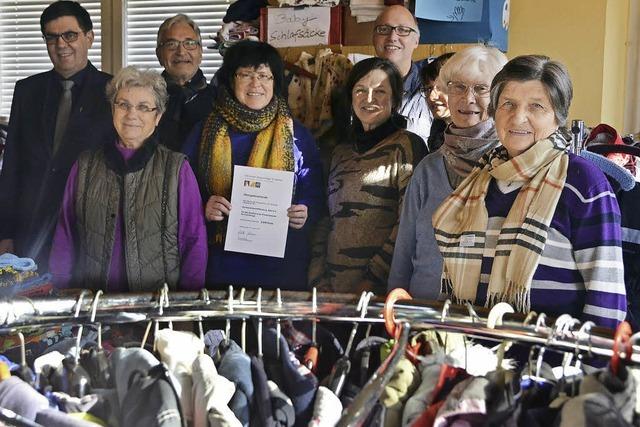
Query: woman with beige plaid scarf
{"x": 534, "y": 225}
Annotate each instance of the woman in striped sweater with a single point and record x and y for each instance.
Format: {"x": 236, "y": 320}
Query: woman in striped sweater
{"x": 534, "y": 225}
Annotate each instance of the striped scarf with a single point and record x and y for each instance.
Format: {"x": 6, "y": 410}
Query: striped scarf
{"x": 272, "y": 149}
{"x": 460, "y": 223}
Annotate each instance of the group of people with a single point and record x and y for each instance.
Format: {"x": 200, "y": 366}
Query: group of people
{"x": 448, "y": 178}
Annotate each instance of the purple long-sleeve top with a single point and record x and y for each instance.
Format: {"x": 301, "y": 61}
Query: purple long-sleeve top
{"x": 192, "y": 235}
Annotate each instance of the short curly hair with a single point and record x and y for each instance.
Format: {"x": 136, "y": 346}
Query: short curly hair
{"x": 131, "y": 76}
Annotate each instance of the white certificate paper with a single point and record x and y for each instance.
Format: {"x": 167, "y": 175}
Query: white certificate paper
{"x": 258, "y": 221}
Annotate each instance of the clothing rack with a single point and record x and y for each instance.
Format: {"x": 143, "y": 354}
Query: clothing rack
{"x": 192, "y": 306}
{"x": 563, "y": 334}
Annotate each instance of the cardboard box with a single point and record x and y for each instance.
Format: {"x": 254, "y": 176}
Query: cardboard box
{"x": 354, "y": 34}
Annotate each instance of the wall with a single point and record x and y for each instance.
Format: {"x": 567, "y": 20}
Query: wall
{"x": 588, "y": 36}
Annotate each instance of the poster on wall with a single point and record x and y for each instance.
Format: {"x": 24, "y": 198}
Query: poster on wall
{"x": 450, "y": 10}
{"x": 288, "y": 26}
{"x": 456, "y": 21}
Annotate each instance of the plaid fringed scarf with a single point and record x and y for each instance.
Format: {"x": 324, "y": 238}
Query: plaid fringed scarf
{"x": 272, "y": 149}
{"x": 460, "y": 223}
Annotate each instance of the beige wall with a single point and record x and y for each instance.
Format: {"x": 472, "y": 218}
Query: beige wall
{"x": 588, "y": 36}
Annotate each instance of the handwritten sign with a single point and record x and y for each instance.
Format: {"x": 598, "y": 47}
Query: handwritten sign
{"x": 288, "y": 26}
{"x": 450, "y": 10}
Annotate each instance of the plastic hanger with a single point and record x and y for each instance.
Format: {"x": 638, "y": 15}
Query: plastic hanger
{"x": 495, "y": 319}
{"x": 390, "y": 320}
{"x": 621, "y": 345}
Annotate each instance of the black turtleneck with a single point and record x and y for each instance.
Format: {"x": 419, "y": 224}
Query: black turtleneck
{"x": 365, "y": 140}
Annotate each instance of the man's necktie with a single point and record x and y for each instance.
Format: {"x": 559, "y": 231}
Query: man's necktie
{"x": 64, "y": 109}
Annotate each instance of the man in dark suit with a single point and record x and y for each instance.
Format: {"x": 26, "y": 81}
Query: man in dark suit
{"x": 179, "y": 51}
{"x": 54, "y": 116}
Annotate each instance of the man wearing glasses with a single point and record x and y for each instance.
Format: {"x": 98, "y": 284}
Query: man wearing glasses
{"x": 179, "y": 51}
{"x": 55, "y": 115}
{"x": 395, "y": 37}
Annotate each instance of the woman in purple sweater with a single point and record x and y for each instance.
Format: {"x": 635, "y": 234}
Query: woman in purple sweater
{"x": 131, "y": 217}
{"x": 534, "y": 226}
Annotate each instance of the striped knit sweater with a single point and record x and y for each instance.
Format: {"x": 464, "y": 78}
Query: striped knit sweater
{"x": 365, "y": 192}
{"x": 580, "y": 270}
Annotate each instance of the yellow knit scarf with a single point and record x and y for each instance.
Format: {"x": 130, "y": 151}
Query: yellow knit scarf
{"x": 460, "y": 223}
{"x": 272, "y": 149}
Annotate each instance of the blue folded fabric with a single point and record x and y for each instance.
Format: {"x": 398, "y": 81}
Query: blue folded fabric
{"x": 19, "y": 264}
{"x": 614, "y": 171}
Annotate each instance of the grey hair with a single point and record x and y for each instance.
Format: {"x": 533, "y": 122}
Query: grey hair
{"x": 131, "y": 76}
{"x": 552, "y": 74}
{"x": 484, "y": 61}
{"x": 180, "y": 18}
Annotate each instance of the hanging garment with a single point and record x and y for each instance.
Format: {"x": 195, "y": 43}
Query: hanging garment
{"x": 126, "y": 361}
{"x": 55, "y": 418}
{"x": 236, "y": 366}
{"x": 179, "y": 350}
{"x": 297, "y": 381}
{"x": 284, "y": 413}
{"x": 102, "y": 405}
{"x": 211, "y": 394}
{"x": 151, "y": 400}
{"x": 309, "y": 100}
{"x": 465, "y": 404}
{"x": 327, "y": 409}
{"x": 19, "y": 397}
{"x": 604, "y": 400}
{"x": 261, "y": 412}
{"x": 402, "y": 385}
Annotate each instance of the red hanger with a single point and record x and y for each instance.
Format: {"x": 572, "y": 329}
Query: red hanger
{"x": 621, "y": 342}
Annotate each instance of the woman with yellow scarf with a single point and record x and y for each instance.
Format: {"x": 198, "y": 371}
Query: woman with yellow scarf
{"x": 251, "y": 125}
{"x": 534, "y": 225}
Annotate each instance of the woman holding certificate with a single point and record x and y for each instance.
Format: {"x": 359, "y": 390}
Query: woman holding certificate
{"x": 370, "y": 170}
{"x": 251, "y": 125}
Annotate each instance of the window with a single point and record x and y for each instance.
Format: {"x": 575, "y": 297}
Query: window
{"x": 142, "y": 18}
{"x": 22, "y": 50}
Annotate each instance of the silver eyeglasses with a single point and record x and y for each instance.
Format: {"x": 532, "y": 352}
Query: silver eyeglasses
{"x": 188, "y": 44}
{"x": 459, "y": 88}
{"x": 141, "y": 108}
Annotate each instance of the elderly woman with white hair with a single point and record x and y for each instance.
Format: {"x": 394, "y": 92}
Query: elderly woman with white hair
{"x": 466, "y": 79}
{"x": 131, "y": 217}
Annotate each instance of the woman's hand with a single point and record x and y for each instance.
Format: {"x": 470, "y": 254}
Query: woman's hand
{"x": 217, "y": 208}
{"x": 297, "y": 216}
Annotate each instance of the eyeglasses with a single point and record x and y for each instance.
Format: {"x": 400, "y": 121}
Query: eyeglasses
{"x": 67, "y": 36}
{"x": 246, "y": 77}
{"x": 141, "y": 108}
{"x": 426, "y": 90}
{"x": 188, "y": 44}
{"x": 401, "y": 30}
{"x": 459, "y": 88}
